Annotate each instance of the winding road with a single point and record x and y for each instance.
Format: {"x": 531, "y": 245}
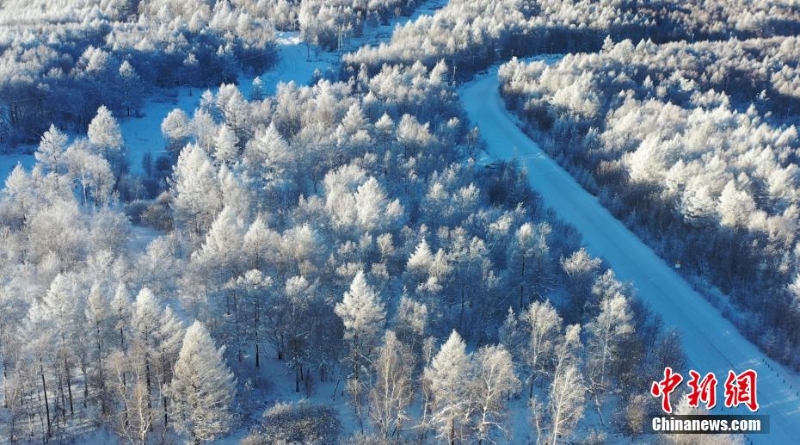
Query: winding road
{"x": 711, "y": 342}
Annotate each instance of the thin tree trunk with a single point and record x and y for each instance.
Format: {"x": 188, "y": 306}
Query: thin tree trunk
{"x": 522, "y": 284}
{"x": 46, "y": 404}
{"x": 599, "y": 411}
{"x": 147, "y": 379}
{"x": 69, "y": 386}
{"x": 336, "y": 388}
{"x": 100, "y": 360}
{"x": 530, "y": 394}
{"x": 63, "y": 398}
{"x": 85, "y": 386}
{"x": 555, "y": 426}
{"x": 461, "y": 313}
{"x": 5, "y": 386}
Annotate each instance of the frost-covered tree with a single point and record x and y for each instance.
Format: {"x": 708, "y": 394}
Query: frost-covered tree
{"x": 292, "y": 320}
{"x": 226, "y": 145}
{"x": 362, "y": 313}
{"x": 56, "y": 321}
{"x": 204, "y": 127}
{"x": 92, "y": 172}
{"x": 169, "y": 337}
{"x": 467, "y": 258}
{"x": 446, "y": 375}
{"x": 257, "y": 242}
{"x": 542, "y": 326}
{"x": 50, "y": 154}
{"x": 237, "y": 191}
{"x": 203, "y": 389}
{"x": 580, "y": 270}
{"x": 735, "y": 206}
{"x": 219, "y": 258}
{"x": 105, "y": 137}
{"x": 57, "y": 232}
{"x": 134, "y": 417}
{"x": 419, "y": 265}
{"x": 606, "y": 332}
{"x": 268, "y": 150}
{"x": 529, "y": 255}
{"x": 235, "y": 110}
{"x": 411, "y": 322}
{"x": 564, "y": 405}
{"x": 257, "y": 89}
{"x": 493, "y": 381}
{"x": 198, "y": 197}
{"x": 252, "y": 289}
{"x": 176, "y": 128}
{"x": 392, "y": 392}
{"x": 141, "y": 366}
{"x": 566, "y": 402}
{"x": 144, "y": 324}
{"x": 131, "y": 88}
{"x": 104, "y": 132}
{"x": 358, "y": 201}
{"x": 121, "y": 310}
{"x": 99, "y": 318}
{"x": 568, "y": 348}
{"x": 363, "y": 316}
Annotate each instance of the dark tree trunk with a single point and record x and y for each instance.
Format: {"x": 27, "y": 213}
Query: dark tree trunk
{"x": 5, "y": 385}
{"x": 69, "y": 387}
{"x": 85, "y": 386}
{"x": 46, "y": 404}
{"x": 147, "y": 378}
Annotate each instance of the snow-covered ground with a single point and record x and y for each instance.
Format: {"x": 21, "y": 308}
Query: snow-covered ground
{"x": 711, "y": 342}
{"x": 296, "y": 63}
{"x": 143, "y": 134}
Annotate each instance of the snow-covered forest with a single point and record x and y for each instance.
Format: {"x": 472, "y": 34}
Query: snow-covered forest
{"x": 695, "y": 145}
{"x": 62, "y": 59}
{"x": 340, "y": 261}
